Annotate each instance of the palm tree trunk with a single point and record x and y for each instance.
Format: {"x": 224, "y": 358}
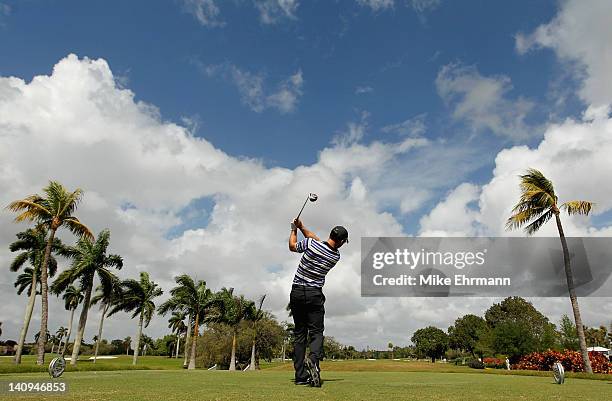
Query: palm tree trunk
{"x": 44, "y": 316}
{"x": 52, "y": 346}
{"x": 194, "y": 340}
{"x": 82, "y": 322}
{"x": 178, "y": 344}
{"x": 104, "y": 309}
{"x": 283, "y": 351}
{"x": 573, "y": 299}
{"x": 233, "y": 360}
{"x": 252, "y": 365}
{"x": 187, "y": 337}
{"x": 135, "y": 358}
{"x": 26, "y": 319}
{"x": 69, "y": 331}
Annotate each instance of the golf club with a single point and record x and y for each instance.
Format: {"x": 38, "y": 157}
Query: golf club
{"x": 311, "y": 197}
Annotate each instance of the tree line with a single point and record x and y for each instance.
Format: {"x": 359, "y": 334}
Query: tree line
{"x": 511, "y": 328}
{"x": 90, "y": 262}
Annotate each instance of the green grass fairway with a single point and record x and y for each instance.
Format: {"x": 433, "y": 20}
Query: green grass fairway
{"x": 271, "y": 384}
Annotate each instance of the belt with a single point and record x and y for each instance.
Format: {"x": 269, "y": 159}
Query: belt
{"x": 305, "y": 287}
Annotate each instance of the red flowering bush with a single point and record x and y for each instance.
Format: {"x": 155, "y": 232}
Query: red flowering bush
{"x": 494, "y": 363}
{"x": 571, "y": 361}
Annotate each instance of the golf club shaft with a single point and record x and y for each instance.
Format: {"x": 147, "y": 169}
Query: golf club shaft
{"x": 303, "y": 206}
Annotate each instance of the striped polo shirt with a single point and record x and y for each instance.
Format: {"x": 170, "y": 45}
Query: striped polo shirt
{"x": 317, "y": 260}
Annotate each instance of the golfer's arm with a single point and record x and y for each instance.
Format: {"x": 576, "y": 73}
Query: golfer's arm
{"x": 308, "y": 234}
{"x": 293, "y": 240}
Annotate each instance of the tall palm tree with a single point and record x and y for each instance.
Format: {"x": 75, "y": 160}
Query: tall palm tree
{"x": 537, "y": 205}
{"x": 234, "y": 310}
{"x": 72, "y": 297}
{"x": 256, "y": 317}
{"x": 60, "y": 333}
{"x": 179, "y": 302}
{"x": 177, "y": 324}
{"x": 89, "y": 260}
{"x": 32, "y": 243}
{"x": 52, "y": 211}
{"x": 196, "y": 300}
{"x": 138, "y": 298}
{"x": 106, "y": 297}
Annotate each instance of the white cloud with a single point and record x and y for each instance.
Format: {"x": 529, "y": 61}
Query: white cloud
{"x": 377, "y": 5}
{"x": 580, "y": 37}
{"x": 205, "y": 11}
{"x": 286, "y": 97}
{"x": 363, "y": 89}
{"x": 253, "y": 92}
{"x": 452, "y": 217}
{"x": 354, "y": 131}
{"x": 271, "y": 11}
{"x": 414, "y": 126}
{"x": 422, "y": 6}
{"x": 482, "y": 101}
{"x": 573, "y": 154}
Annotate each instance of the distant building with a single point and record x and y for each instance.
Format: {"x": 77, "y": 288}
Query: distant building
{"x": 600, "y": 350}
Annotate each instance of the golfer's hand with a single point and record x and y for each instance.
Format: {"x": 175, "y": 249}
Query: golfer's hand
{"x": 298, "y": 223}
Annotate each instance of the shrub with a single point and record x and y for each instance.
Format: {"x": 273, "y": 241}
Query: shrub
{"x": 476, "y": 364}
{"x": 571, "y": 361}
{"x": 496, "y": 363}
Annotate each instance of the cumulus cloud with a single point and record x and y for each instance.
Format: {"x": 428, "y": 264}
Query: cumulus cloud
{"x": 482, "y": 102}
{"x": 271, "y": 11}
{"x": 575, "y": 156}
{"x": 145, "y": 179}
{"x": 253, "y": 90}
{"x": 205, "y": 11}
{"x": 580, "y": 37}
{"x": 453, "y": 216}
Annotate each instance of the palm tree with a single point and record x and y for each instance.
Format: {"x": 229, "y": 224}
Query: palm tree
{"x": 177, "y": 324}
{"x": 106, "y": 297}
{"x": 32, "y": 244}
{"x": 138, "y": 298}
{"x": 179, "y": 302}
{"x": 127, "y": 341}
{"x": 196, "y": 300}
{"x": 538, "y": 204}
{"x": 37, "y": 336}
{"x": 257, "y": 316}
{"x": 60, "y": 333}
{"x": 72, "y": 297}
{"x": 390, "y": 346}
{"x": 234, "y": 310}
{"x": 51, "y": 212}
{"x": 89, "y": 259}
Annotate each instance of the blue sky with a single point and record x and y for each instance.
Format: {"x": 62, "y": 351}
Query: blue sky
{"x": 338, "y": 46}
{"x": 407, "y": 117}
{"x": 353, "y": 59}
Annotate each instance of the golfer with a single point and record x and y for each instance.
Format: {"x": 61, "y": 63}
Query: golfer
{"x": 307, "y": 300}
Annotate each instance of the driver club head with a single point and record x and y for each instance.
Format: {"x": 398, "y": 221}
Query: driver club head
{"x": 313, "y": 197}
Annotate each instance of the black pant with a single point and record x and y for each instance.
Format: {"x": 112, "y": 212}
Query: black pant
{"x": 308, "y": 313}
